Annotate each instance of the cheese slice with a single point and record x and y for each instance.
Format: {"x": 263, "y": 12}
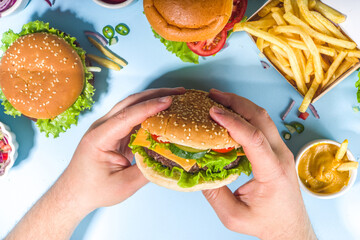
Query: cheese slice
{"x": 141, "y": 140}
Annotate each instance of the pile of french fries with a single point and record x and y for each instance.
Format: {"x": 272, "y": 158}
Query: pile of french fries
{"x": 301, "y": 38}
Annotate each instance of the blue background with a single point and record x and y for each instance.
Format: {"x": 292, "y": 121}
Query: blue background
{"x": 154, "y": 212}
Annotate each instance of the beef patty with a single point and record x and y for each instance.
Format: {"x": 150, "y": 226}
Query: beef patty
{"x": 170, "y": 164}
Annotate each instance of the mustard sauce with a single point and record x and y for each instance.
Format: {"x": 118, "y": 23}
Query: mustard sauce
{"x": 317, "y": 169}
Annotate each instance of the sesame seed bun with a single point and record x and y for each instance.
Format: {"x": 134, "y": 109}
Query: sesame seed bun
{"x": 188, "y": 21}
{"x": 41, "y": 75}
{"x": 171, "y": 183}
{"x": 188, "y": 122}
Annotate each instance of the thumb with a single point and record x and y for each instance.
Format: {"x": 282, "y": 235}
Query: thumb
{"x": 227, "y": 207}
{"x": 131, "y": 180}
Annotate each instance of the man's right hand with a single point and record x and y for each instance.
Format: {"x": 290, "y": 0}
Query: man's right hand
{"x": 270, "y": 205}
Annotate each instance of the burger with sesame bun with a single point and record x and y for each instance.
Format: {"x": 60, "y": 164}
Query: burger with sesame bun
{"x": 43, "y": 76}
{"x": 183, "y": 149}
{"x": 194, "y": 28}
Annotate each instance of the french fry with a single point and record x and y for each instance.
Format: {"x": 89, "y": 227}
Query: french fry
{"x": 347, "y": 166}
{"x": 312, "y": 4}
{"x": 288, "y": 6}
{"x": 329, "y": 25}
{"x": 301, "y": 59}
{"x": 339, "y": 58}
{"x": 295, "y": 8}
{"x": 279, "y": 56}
{"x": 353, "y": 53}
{"x": 260, "y": 44}
{"x": 104, "y": 62}
{"x": 306, "y": 53}
{"x": 322, "y": 49}
{"x": 107, "y": 52}
{"x": 352, "y": 59}
{"x": 268, "y": 7}
{"x": 291, "y": 18}
{"x": 344, "y": 66}
{"x": 279, "y": 19}
{"x": 324, "y": 65}
{"x": 277, "y": 9}
{"x": 298, "y": 77}
{"x": 310, "y": 45}
{"x": 340, "y": 153}
{"x": 287, "y": 71}
{"x": 309, "y": 69}
{"x": 279, "y": 50}
{"x": 305, "y": 12}
{"x": 263, "y": 23}
{"x": 329, "y": 12}
{"x": 309, "y": 95}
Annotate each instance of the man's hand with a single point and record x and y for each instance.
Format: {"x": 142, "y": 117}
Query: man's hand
{"x": 270, "y": 205}
{"x": 100, "y": 172}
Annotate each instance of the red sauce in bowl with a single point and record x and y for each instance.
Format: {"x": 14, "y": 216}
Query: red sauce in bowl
{"x": 114, "y": 1}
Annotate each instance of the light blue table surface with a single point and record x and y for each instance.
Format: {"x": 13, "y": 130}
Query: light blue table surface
{"x": 155, "y": 212}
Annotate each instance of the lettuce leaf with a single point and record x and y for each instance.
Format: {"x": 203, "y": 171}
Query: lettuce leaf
{"x": 180, "y": 49}
{"x": 63, "y": 121}
{"x": 187, "y": 180}
{"x": 357, "y": 85}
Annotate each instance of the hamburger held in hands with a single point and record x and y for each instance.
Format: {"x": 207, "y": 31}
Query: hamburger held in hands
{"x": 194, "y": 28}
{"x": 44, "y": 77}
{"x": 183, "y": 149}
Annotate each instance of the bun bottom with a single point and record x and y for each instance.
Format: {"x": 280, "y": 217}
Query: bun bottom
{"x": 171, "y": 183}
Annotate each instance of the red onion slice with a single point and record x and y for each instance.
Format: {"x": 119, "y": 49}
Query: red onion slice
{"x": 6, "y": 4}
{"x": 313, "y": 110}
{"x": 102, "y": 40}
{"x": 288, "y": 110}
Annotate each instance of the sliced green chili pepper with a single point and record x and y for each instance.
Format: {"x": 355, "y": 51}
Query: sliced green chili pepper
{"x": 298, "y": 126}
{"x": 291, "y": 128}
{"x": 287, "y": 136}
{"x": 122, "y": 29}
{"x": 108, "y": 32}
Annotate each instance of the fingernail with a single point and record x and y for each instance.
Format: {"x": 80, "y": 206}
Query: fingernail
{"x": 218, "y": 110}
{"x": 215, "y": 90}
{"x": 164, "y": 99}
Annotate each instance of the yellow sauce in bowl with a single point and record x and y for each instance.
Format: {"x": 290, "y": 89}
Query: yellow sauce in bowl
{"x": 317, "y": 169}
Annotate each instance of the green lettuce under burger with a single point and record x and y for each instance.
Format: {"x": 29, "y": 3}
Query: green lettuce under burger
{"x": 43, "y": 76}
{"x": 181, "y": 148}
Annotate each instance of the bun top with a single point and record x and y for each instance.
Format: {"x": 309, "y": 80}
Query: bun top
{"x": 188, "y": 20}
{"x": 188, "y": 122}
{"x": 41, "y": 75}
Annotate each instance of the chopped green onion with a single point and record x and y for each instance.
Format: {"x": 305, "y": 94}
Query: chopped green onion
{"x": 291, "y": 128}
{"x": 108, "y": 32}
{"x": 287, "y": 135}
{"x": 356, "y": 109}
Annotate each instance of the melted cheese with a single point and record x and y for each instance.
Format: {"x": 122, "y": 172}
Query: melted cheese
{"x": 140, "y": 140}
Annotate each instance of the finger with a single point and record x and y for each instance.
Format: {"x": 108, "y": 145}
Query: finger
{"x": 264, "y": 162}
{"x": 256, "y": 115}
{"x": 227, "y": 207}
{"x": 137, "y": 98}
{"x": 144, "y": 96}
{"x": 108, "y": 134}
{"x": 131, "y": 180}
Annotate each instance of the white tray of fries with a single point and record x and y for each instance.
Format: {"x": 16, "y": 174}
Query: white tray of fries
{"x": 303, "y": 41}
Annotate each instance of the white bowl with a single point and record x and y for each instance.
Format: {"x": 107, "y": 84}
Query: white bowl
{"x": 11, "y": 138}
{"x": 346, "y": 188}
{"x": 18, "y": 6}
{"x": 113, "y": 6}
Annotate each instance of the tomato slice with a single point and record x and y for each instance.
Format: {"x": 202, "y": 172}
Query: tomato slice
{"x": 224, "y": 150}
{"x": 239, "y": 9}
{"x": 156, "y": 138}
{"x": 209, "y": 47}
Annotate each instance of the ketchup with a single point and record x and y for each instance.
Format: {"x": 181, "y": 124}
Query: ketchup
{"x": 114, "y": 1}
